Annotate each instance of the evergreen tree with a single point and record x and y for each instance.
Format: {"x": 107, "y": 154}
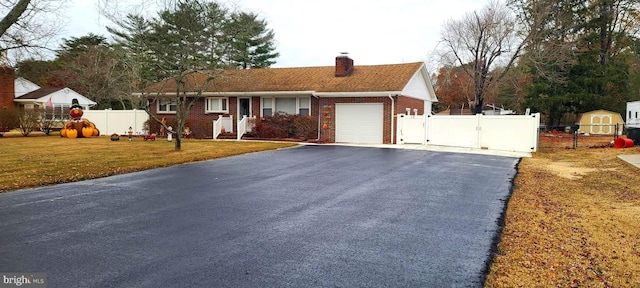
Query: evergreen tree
{"x": 133, "y": 40}
{"x": 579, "y": 55}
{"x": 251, "y": 42}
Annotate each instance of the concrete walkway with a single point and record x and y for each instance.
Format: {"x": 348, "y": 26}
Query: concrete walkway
{"x": 633, "y": 159}
{"x": 512, "y": 154}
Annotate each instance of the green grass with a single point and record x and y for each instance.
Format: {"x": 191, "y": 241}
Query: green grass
{"x": 38, "y": 161}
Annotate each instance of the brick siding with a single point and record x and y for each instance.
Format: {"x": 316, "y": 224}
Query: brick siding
{"x": 7, "y": 87}
{"x": 201, "y": 123}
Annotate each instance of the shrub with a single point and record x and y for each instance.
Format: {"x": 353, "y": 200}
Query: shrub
{"x": 305, "y": 127}
{"x": 28, "y": 121}
{"x": 153, "y": 126}
{"x": 8, "y": 117}
{"x": 282, "y": 125}
{"x": 202, "y": 129}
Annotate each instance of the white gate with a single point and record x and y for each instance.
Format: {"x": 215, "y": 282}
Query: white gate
{"x": 410, "y": 129}
{"x": 517, "y": 133}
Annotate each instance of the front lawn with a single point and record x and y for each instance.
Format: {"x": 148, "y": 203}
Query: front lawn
{"x": 37, "y": 161}
{"x": 572, "y": 221}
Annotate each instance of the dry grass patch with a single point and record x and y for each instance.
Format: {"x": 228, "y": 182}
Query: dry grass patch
{"x": 572, "y": 221}
{"x": 37, "y": 161}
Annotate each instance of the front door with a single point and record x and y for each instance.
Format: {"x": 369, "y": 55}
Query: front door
{"x": 244, "y": 107}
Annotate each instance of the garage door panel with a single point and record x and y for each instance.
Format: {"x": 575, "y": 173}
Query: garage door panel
{"x": 359, "y": 123}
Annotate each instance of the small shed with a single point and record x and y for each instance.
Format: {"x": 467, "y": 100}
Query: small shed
{"x": 600, "y": 122}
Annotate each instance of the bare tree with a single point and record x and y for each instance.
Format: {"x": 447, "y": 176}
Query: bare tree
{"x": 47, "y": 119}
{"x": 28, "y": 121}
{"x": 479, "y": 43}
{"x": 551, "y": 27}
{"x": 28, "y": 25}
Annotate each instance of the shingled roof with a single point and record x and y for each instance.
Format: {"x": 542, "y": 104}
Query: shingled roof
{"x": 39, "y": 93}
{"x": 376, "y": 78}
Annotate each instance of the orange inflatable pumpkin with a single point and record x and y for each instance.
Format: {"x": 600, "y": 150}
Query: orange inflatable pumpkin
{"x": 72, "y": 133}
{"x": 87, "y": 132}
{"x": 63, "y": 132}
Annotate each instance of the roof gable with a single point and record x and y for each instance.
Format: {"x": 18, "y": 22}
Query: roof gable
{"x": 420, "y": 86}
{"x": 58, "y": 96}
{"x": 23, "y": 86}
{"x": 373, "y": 78}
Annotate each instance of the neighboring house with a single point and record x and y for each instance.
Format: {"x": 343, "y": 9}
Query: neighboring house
{"x": 25, "y": 94}
{"x": 600, "y": 122}
{"x": 354, "y": 104}
{"x": 30, "y": 95}
{"x": 633, "y": 117}
{"x": 24, "y": 86}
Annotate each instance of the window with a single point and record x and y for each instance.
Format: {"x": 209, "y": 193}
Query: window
{"x": 167, "y": 106}
{"x": 305, "y": 106}
{"x": 286, "y": 105}
{"x": 289, "y": 105}
{"x": 61, "y": 112}
{"x": 216, "y": 105}
{"x": 267, "y": 105}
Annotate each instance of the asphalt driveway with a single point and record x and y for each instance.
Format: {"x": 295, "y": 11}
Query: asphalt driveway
{"x": 312, "y": 216}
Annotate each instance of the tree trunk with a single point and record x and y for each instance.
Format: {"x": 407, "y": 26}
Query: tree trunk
{"x": 13, "y": 15}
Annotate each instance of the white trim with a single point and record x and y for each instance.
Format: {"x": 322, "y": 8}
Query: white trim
{"x": 357, "y": 94}
{"x": 232, "y": 94}
{"x": 282, "y": 93}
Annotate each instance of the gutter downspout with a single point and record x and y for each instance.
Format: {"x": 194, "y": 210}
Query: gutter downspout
{"x": 319, "y": 124}
{"x": 393, "y": 104}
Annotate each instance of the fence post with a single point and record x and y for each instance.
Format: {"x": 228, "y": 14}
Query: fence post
{"x": 575, "y": 139}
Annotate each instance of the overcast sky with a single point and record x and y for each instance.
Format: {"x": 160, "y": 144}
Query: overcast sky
{"x": 312, "y": 33}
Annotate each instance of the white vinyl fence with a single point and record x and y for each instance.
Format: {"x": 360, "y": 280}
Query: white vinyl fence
{"x": 517, "y": 133}
{"x": 117, "y": 121}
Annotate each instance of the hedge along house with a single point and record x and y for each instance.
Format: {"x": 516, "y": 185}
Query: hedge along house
{"x": 353, "y": 104}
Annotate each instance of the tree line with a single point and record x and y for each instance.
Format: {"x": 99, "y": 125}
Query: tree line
{"x": 557, "y": 57}
{"x": 184, "y": 36}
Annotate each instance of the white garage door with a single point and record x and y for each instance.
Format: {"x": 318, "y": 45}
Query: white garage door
{"x": 359, "y": 123}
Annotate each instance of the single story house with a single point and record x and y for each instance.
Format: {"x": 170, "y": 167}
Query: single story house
{"x": 24, "y": 94}
{"x": 353, "y": 104}
{"x": 59, "y": 99}
{"x": 600, "y": 122}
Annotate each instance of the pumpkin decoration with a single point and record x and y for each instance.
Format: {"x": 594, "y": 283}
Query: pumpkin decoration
{"x": 72, "y": 133}
{"x": 78, "y": 127}
{"x": 87, "y": 132}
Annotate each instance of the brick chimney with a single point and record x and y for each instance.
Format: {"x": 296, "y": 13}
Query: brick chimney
{"x": 344, "y": 65}
{"x": 7, "y": 86}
